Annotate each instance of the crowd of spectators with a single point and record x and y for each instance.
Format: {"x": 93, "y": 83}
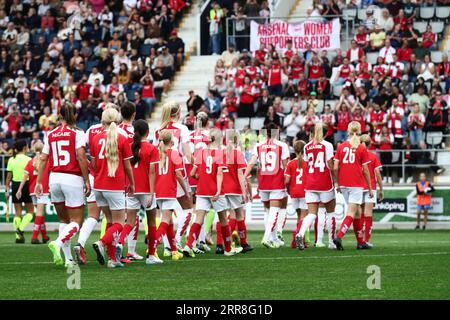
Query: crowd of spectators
{"x": 87, "y": 52}
{"x": 397, "y": 99}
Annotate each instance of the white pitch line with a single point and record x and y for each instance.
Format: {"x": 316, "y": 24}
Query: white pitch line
{"x": 277, "y": 258}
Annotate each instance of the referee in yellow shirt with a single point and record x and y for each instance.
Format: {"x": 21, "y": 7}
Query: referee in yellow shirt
{"x": 16, "y": 169}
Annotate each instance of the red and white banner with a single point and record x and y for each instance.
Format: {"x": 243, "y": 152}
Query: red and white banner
{"x": 320, "y": 35}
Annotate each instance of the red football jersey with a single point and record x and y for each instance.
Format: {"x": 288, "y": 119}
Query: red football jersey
{"x": 297, "y": 178}
{"x": 102, "y": 181}
{"x": 318, "y": 176}
{"x": 148, "y": 154}
{"x": 270, "y": 154}
{"x": 33, "y": 174}
{"x": 166, "y": 180}
{"x": 374, "y": 164}
{"x": 199, "y": 140}
{"x": 234, "y": 162}
{"x": 129, "y": 129}
{"x": 208, "y": 162}
{"x": 93, "y": 131}
{"x": 61, "y": 145}
{"x": 350, "y": 165}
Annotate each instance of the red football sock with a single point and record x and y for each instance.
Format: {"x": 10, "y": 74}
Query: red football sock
{"x": 219, "y": 239}
{"x": 193, "y": 234}
{"x": 151, "y": 240}
{"x": 162, "y": 230}
{"x": 357, "y": 228}
{"x": 43, "y": 229}
{"x": 108, "y": 238}
{"x": 111, "y": 251}
{"x": 345, "y": 225}
{"x": 36, "y": 227}
{"x": 136, "y": 227}
{"x": 125, "y": 232}
{"x": 242, "y": 230}
{"x": 368, "y": 230}
{"x": 232, "y": 223}
{"x": 226, "y": 235}
{"x": 171, "y": 237}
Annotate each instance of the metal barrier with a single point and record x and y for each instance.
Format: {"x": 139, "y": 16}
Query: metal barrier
{"x": 232, "y": 35}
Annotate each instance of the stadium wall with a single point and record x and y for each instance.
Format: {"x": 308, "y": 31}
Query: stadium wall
{"x": 397, "y": 211}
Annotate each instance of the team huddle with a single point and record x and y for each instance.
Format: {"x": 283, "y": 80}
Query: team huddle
{"x": 182, "y": 176}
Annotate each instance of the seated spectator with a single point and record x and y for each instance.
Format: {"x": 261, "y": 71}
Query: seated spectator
{"x": 384, "y": 141}
{"x": 219, "y": 86}
{"x": 272, "y": 117}
{"x": 195, "y": 102}
{"x": 429, "y": 39}
{"x": 377, "y": 38}
{"x": 246, "y": 99}
{"x": 212, "y": 104}
{"x": 355, "y": 53}
{"x": 370, "y": 23}
{"x": 387, "y": 52}
{"x": 427, "y": 69}
{"x": 420, "y": 51}
{"x": 386, "y": 22}
{"x": 362, "y": 38}
{"x": 231, "y": 102}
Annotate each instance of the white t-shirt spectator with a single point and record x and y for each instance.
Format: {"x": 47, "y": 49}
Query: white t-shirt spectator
{"x": 387, "y": 53}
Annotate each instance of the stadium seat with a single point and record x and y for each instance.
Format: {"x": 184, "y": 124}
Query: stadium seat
{"x": 436, "y": 56}
{"x": 420, "y": 26}
{"x": 427, "y": 13}
{"x": 256, "y": 123}
{"x": 434, "y": 138}
{"x": 240, "y": 123}
{"x": 332, "y": 103}
{"x": 362, "y": 14}
{"x": 287, "y": 106}
{"x": 443, "y": 13}
{"x": 90, "y": 64}
{"x": 337, "y": 90}
{"x": 437, "y": 27}
{"x": 303, "y": 105}
{"x": 349, "y": 14}
{"x": 320, "y": 106}
{"x": 372, "y": 57}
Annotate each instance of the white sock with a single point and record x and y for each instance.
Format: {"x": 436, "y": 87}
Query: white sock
{"x": 330, "y": 221}
{"x": 183, "y": 219}
{"x": 166, "y": 242}
{"x": 281, "y": 220}
{"x": 67, "y": 233}
{"x": 307, "y": 222}
{"x": 321, "y": 214}
{"x": 86, "y": 230}
{"x": 131, "y": 242}
{"x": 271, "y": 229}
{"x": 266, "y": 216}
{"x": 202, "y": 235}
{"x": 66, "y": 248}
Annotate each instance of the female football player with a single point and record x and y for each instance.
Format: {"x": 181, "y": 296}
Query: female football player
{"x": 234, "y": 186}
{"x": 170, "y": 118}
{"x": 68, "y": 181}
{"x": 318, "y": 153}
{"x": 208, "y": 169}
{"x": 30, "y": 175}
{"x": 368, "y": 202}
{"x": 273, "y": 156}
{"x": 351, "y": 168}
{"x": 169, "y": 170}
{"x": 111, "y": 154}
{"x": 295, "y": 174}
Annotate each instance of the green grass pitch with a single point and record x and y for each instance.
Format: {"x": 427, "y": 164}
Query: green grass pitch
{"x": 413, "y": 265}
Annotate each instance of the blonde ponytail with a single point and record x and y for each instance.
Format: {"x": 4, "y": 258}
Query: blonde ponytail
{"x": 318, "y": 132}
{"x": 354, "y": 130}
{"x": 165, "y": 138}
{"x": 202, "y": 120}
{"x": 232, "y": 142}
{"x": 169, "y": 111}
{"x": 37, "y": 149}
{"x": 110, "y": 117}
{"x": 365, "y": 138}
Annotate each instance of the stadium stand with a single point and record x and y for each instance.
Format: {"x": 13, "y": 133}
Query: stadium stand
{"x": 393, "y": 77}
